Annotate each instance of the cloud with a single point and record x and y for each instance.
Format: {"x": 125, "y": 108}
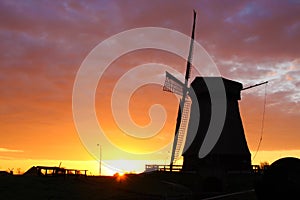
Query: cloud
{"x": 251, "y": 29}
{"x": 44, "y": 43}
{"x": 6, "y": 150}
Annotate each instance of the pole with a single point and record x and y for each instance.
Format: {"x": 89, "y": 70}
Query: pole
{"x": 255, "y": 85}
{"x": 100, "y": 158}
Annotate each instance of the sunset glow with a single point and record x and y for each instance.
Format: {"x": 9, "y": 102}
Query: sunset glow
{"x": 44, "y": 43}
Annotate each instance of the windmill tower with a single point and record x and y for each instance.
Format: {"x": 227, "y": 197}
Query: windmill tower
{"x": 231, "y": 151}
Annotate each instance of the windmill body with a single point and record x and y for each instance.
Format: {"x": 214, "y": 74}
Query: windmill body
{"x": 231, "y": 151}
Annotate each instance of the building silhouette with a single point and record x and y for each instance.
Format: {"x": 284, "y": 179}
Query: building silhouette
{"x": 231, "y": 152}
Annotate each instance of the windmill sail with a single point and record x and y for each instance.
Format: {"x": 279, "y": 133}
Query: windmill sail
{"x": 173, "y": 85}
{"x": 188, "y": 66}
{"x": 181, "y": 129}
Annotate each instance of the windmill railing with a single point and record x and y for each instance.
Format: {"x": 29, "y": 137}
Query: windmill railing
{"x": 165, "y": 168}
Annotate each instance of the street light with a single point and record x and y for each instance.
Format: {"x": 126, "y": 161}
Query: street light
{"x": 100, "y": 158}
{"x": 167, "y": 157}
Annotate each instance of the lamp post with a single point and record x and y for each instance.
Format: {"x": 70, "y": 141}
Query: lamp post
{"x": 100, "y": 158}
{"x": 167, "y": 157}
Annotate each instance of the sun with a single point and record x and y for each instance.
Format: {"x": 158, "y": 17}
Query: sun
{"x": 120, "y": 176}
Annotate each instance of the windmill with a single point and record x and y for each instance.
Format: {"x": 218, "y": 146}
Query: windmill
{"x": 172, "y": 84}
{"x": 231, "y": 151}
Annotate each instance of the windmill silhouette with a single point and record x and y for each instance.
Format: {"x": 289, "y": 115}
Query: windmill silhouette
{"x": 230, "y": 151}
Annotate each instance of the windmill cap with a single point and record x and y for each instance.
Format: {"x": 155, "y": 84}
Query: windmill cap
{"x": 205, "y": 85}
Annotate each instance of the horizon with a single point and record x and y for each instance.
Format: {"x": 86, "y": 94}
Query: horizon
{"x": 92, "y": 165}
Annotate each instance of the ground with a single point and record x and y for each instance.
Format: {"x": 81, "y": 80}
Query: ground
{"x": 147, "y": 186}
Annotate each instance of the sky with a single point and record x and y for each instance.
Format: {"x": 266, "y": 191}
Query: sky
{"x": 44, "y": 44}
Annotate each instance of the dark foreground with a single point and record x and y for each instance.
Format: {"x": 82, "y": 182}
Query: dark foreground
{"x": 281, "y": 180}
{"x": 144, "y": 186}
